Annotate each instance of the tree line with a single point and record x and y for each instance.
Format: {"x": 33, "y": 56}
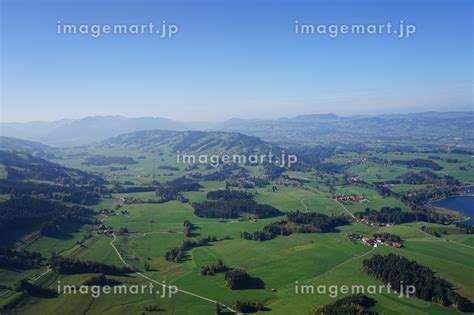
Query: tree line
{"x": 176, "y": 254}
{"x": 64, "y": 265}
{"x": 210, "y": 270}
{"x": 356, "y": 304}
{"x": 401, "y": 272}
{"x": 229, "y": 204}
{"x": 19, "y": 259}
{"x": 297, "y": 222}
{"x": 33, "y": 213}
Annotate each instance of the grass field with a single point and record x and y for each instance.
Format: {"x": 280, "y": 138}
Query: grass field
{"x": 317, "y": 259}
{"x": 283, "y": 263}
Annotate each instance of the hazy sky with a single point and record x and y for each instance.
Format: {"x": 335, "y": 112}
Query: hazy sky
{"x": 233, "y": 59}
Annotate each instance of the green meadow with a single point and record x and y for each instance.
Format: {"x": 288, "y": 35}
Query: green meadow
{"x": 282, "y": 264}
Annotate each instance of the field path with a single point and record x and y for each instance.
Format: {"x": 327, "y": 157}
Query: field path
{"x": 340, "y": 204}
{"x": 164, "y": 285}
{"x": 345, "y": 208}
{"x": 304, "y": 205}
{"x": 147, "y": 233}
{"x": 440, "y": 239}
{"x": 345, "y": 262}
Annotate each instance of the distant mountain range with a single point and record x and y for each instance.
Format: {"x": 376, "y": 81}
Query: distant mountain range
{"x": 68, "y": 132}
{"x": 429, "y": 128}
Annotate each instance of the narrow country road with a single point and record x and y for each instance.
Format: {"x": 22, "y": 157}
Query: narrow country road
{"x": 164, "y": 285}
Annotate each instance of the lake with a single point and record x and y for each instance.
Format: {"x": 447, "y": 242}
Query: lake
{"x": 464, "y": 205}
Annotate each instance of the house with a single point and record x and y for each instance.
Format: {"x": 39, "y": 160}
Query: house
{"x": 101, "y": 227}
{"x": 396, "y": 244}
{"x": 370, "y": 241}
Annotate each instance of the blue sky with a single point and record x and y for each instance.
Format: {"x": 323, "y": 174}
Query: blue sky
{"x": 234, "y": 59}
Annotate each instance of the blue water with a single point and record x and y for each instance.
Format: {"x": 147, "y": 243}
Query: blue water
{"x": 464, "y": 205}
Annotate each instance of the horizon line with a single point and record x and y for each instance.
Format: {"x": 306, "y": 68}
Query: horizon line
{"x": 232, "y": 118}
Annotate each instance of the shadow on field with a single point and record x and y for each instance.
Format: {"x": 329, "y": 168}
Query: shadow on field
{"x": 65, "y": 233}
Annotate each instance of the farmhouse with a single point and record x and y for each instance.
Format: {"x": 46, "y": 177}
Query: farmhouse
{"x": 358, "y": 198}
{"x": 375, "y": 241}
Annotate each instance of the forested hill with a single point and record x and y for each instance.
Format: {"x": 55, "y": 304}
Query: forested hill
{"x": 31, "y": 147}
{"x": 189, "y": 141}
{"x": 17, "y": 166}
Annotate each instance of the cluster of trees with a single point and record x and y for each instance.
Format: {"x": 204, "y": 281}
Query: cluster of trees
{"x": 320, "y": 221}
{"x": 33, "y": 213}
{"x": 297, "y": 222}
{"x": 182, "y": 184}
{"x": 243, "y": 183}
{"x": 386, "y": 215}
{"x": 469, "y": 228}
{"x": 19, "y": 259}
{"x": 389, "y": 237}
{"x": 400, "y": 272}
{"x": 258, "y": 236}
{"x": 176, "y": 254}
{"x": 119, "y": 189}
{"x": 419, "y": 163}
{"x": 227, "y": 194}
{"x": 427, "y": 177}
{"x": 238, "y": 279}
{"x": 101, "y": 280}
{"x": 230, "y": 204}
{"x": 210, "y": 270}
{"x": 102, "y": 160}
{"x": 35, "y": 290}
{"x": 230, "y": 209}
{"x": 357, "y": 304}
{"x": 64, "y": 265}
{"x": 188, "y": 228}
{"x": 245, "y": 307}
{"x": 172, "y": 189}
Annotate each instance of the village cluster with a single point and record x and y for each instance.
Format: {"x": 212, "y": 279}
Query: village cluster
{"x": 354, "y": 198}
{"x": 107, "y": 230}
{"x": 377, "y": 240}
